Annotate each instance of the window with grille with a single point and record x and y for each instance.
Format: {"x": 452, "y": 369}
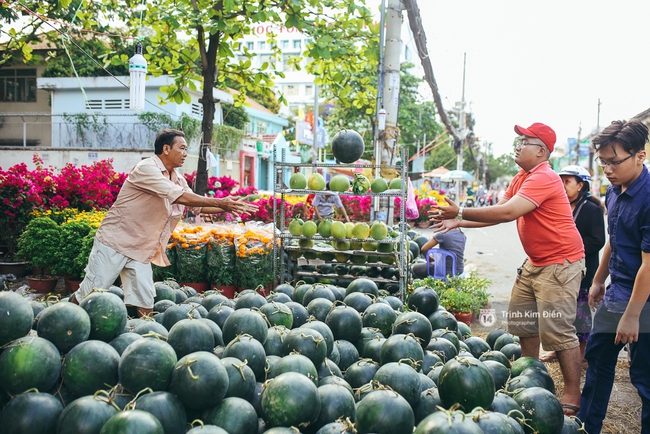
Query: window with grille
{"x": 94, "y": 104}
{"x": 18, "y": 85}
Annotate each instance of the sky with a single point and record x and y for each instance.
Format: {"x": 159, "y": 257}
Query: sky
{"x": 540, "y": 61}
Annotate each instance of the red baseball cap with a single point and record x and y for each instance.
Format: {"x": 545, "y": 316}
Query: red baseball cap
{"x": 540, "y": 131}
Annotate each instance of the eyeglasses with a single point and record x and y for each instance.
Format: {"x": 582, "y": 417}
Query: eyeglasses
{"x": 522, "y": 142}
{"x": 612, "y": 164}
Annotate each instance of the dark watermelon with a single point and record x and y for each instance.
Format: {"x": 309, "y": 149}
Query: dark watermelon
{"x": 345, "y": 323}
{"x": 207, "y": 429}
{"x": 164, "y": 292}
{"x": 199, "y": 380}
{"x": 364, "y": 285}
{"x": 477, "y": 346}
{"x": 347, "y": 353}
{"x": 402, "y": 378}
{"x": 219, "y": 313}
{"x": 124, "y": 340}
{"x": 448, "y": 422}
{"x": 443, "y": 348}
{"x": 503, "y": 340}
{"x": 451, "y": 337}
{"x": 306, "y": 341}
{"x": 499, "y": 373}
{"x": 325, "y": 331}
{"x": 300, "y": 314}
{"x": 511, "y": 351}
{"x": 319, "y": 308}
{"x": 290, "y": 399}
{"x": 428, "y": 404}
{"x": 430, "y": 360}
{"x": 147, "y": 363}
{"x": 521, "y": 382}
{"x": 518, "y": 366}
{"x": 241, "y": 379}
{"x": 441, "y": 319}
{"x": 65, "y": 325}
{"x": 424, "y": 299}
{"x": 29, "y": 363}
{"x": 16, "y": 317}
{"x": 31, "y": 413}
{"x": 190, "y": 335}
{"x": 245, "y": 348}
{"x": 384, "y": 411}
{"x": 217, "y": 334}
{"x": 317, "y": 291}
{"x": 372, "y": 349}
{"x": 367, "y": 334}
{"x": 497, "y": 356}
{"x": 146, "y": 327}
{"x": 503, "y": 403}
{"x": 542, "y": 410}
{"x": 249, "y": 300}
{"x": 234, "y": 415}
{"x": 336, "y": 402}
{"x": 339, "y": 427}
{"x": 467, "y": 382}
{"x": 347, "y": 146}
{"x": 245, "y": 321}
{"x": 416, "y": 324}
{"x": 327, "y": 369}
{"x": 398, "y": 347}
{"x": 133, "y": 421}
{"x": 494, "y": 334}
{"x": 86, "y": 415}
{"x": 89, "y": 367}
{"x": 278, "y": 314}
{"x": 361, "y": 373}
{"x": 274, "y": 338}
{"x": 295, "y": 363}
{"x": 107, "y": 314}
{"x": 542, "y": 376}
{"x": 178, "y": 312}
{"x": 380, "y": 316}
{"x": 166, "y": 408}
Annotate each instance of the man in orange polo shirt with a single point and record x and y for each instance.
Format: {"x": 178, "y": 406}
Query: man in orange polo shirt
{"x": 543, "y": 299}
{"x": 135, "y": 231}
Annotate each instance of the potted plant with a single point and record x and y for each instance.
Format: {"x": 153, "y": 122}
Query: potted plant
{"x": 72, "y": 234}
{"x": 460, "y": 303}
{"x": 39, "y": 244}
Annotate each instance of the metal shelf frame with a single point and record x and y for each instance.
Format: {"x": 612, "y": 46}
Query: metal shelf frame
{"x": 280, "y": 267}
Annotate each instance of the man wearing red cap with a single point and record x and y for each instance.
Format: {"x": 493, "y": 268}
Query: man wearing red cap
{"x": 543, "y": 299}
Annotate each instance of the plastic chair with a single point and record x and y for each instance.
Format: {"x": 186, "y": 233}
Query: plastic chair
{"x": 439, "y": 257}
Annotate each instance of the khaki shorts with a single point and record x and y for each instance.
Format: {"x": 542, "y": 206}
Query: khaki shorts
{"x": 543, "y": 302}
{"x": 105, "y": 265}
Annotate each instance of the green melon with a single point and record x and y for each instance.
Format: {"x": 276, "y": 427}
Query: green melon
{"x": 325, "y": 228}
{"x": 306, "y": 244}
{"x": 395, "y": 184}
{"x": 349, "y": 226}
{"x": 378, "y": 185}
{"x": 309, "y": 229}
{"x": 361, "y": 230}
{"x": 339, "y": 230}
{"x": 379, "y": 230}
{"x": 341, "y": 245}
{"x": 340, "y": 183}
{"x": 316, "y": 182}
{"x": 295, "y": 227}
{"x": 298, "y": 181}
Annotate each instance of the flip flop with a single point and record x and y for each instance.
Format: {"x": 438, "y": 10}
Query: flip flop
{"x": 570, "y": 410}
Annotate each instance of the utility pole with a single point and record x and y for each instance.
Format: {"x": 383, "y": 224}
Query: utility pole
{"x": 577, "y": 146}
{"x": 461, "y": 129}
{"x": 595, "y": 175}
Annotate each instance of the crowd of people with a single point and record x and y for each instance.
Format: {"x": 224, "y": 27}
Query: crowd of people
{"x": 603, "y": 303}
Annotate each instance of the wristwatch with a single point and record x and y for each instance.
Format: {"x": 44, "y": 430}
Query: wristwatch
{"x": 459, "y": 216}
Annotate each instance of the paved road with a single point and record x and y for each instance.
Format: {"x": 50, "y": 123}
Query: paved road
{"x": 495, "y": 253}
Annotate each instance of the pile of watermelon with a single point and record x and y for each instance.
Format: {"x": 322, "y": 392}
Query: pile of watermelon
{"x": 307, "y": 359}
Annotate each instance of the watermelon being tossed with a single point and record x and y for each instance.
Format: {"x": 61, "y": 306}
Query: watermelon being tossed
{"x": 347, "y": 146}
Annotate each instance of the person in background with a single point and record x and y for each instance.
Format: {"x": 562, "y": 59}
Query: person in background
{"x": 324, "y": 205}
{"x": 454, "y": 241}
{"x": 135, "y": 231}
{"x": 588, "y": 215}
{"x": 548, "y": 282}
{"x": 622, "y": 310}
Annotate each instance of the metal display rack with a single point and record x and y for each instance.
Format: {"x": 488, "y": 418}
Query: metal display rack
{"x": 284, "y": 238}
